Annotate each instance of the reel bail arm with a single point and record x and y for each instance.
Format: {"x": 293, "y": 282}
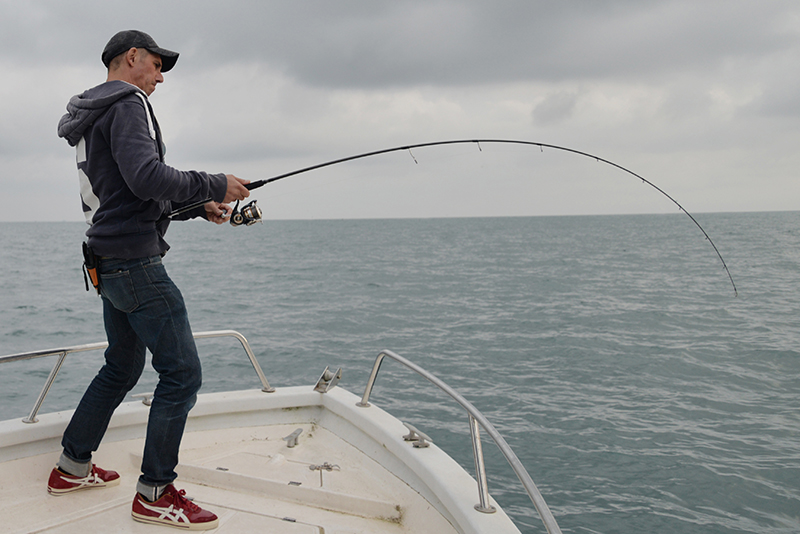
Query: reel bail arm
{"x": 249, "y": 215}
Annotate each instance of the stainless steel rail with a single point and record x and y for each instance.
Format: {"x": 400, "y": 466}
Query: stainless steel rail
{"x": 63, "y": 351}
{"x": 475, "y": 418}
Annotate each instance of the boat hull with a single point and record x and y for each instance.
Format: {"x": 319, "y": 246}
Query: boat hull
{"x": 349, "y": 471}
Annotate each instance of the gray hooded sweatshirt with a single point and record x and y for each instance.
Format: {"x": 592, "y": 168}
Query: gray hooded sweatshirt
{"x": 126, "y": 188}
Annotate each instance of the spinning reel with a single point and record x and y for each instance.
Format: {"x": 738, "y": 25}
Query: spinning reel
{"x": 250, "y": 214}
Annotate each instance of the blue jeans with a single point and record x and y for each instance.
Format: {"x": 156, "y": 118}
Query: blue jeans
{"x": 142, "y": 308}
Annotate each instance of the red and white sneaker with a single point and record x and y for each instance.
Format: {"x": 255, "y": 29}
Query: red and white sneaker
{"x": 175, "y": 510}
{"x": 61, "y": 482}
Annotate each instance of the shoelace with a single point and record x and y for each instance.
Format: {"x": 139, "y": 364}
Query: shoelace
{"x": 185, "y": 502}
{"x": 94, "y": 477}
{"x": 97, "y": 474}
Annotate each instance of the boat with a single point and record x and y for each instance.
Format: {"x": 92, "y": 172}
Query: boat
{"x": 300, "y": 459}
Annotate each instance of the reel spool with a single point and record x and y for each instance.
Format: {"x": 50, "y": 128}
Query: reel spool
{"x": 250, "y": 214}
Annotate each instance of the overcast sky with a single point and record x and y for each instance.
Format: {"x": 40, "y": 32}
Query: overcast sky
{"x": 700, "y": 97}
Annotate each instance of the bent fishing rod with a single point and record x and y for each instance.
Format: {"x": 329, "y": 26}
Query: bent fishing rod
{"x": 252, "y": 213}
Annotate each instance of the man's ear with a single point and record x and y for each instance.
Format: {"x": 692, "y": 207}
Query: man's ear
{"x": 130, "y": 56}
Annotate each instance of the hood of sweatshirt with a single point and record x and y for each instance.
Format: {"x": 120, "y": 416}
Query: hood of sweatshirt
{"x": 85, "y": 108}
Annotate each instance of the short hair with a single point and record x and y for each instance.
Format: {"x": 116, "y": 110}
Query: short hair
{"x": 115, "y": 63}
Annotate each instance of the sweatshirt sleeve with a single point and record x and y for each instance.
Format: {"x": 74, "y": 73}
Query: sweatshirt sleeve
{"x": 136, "y": 155}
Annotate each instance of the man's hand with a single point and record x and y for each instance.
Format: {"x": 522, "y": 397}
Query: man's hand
{"x": 236, "y": 189}
{"x": 217, "y": 212}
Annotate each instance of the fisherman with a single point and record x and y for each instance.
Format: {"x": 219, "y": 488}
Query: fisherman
{"x": 126, "y": 189}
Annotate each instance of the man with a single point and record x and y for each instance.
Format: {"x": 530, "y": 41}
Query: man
{"x": 127, "y": 189}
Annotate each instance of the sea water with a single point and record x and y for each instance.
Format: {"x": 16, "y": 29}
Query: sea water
{"x": 609, "y": 351}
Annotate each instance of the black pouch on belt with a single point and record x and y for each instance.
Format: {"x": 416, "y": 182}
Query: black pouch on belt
{"x": 90, "y": 268}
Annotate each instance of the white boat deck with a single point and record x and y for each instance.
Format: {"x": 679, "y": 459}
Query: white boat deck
{"x": 236, "y": 463}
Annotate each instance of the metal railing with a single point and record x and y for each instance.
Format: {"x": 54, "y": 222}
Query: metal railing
{"x": 476, "y": 418}
{"x": 63, "y": 351}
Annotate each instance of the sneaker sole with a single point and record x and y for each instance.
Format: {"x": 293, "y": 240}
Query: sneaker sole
{"x": 166, "y": 522}
{"x": 58, "y": 492}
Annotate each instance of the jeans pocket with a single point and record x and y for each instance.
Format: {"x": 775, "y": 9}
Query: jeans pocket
{"x": 117, "y": 287}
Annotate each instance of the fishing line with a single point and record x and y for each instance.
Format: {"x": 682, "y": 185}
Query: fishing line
{"x": 259, "y": 183}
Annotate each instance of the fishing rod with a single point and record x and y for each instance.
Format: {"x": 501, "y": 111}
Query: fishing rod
{"x": 252, "y": 213}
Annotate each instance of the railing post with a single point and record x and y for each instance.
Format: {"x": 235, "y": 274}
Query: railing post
{"x": 265, "y": 387}
{"x": 371, "y": 382}
{"x": 50, "y": 379}
{"x": 480, "y": 469}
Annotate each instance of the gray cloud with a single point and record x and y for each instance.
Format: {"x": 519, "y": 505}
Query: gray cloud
{"x": 555, "y": 107}
{"x": 263, "y": 86}
{"x": 410, "y": 42}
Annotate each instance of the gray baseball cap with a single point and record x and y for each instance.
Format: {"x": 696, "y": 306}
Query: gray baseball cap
{"x": 127, "y": 39}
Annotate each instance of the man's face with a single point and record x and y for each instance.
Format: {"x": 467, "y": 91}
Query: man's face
{"x": 146, "y": 73}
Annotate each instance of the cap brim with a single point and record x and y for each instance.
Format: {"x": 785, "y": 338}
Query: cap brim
{"x": 168, "y": 58}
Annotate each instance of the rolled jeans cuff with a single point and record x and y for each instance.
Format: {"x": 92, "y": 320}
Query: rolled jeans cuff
{"x": 151, "y": 493}
{"x": 74, "y": 468}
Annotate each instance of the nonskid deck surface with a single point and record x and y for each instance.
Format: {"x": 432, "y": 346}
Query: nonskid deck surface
{"x": 248, "y": 476}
